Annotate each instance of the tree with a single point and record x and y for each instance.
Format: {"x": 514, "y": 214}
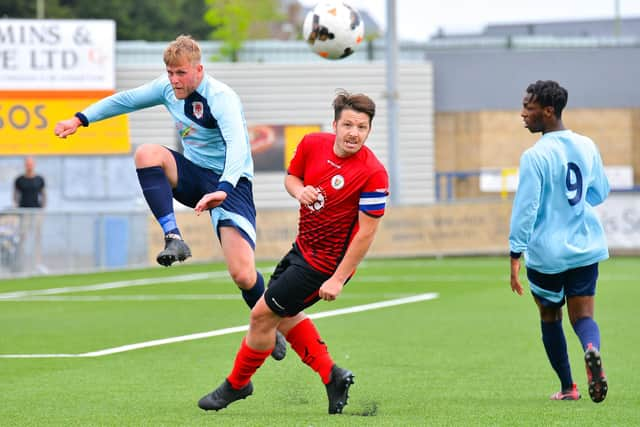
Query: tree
{"x": 27, "y": 9}
{"x": 235, "y": 21}
{"x": 230, "y": 21}
{"x": 149, "y": 20}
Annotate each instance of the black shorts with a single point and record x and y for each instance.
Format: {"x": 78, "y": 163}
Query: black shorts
{"x": 293, "y": 285}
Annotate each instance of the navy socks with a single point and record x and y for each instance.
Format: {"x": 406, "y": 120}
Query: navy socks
{"x": 588, "y": 332}
{"x": 159, "y": 196}
{"x": 556, "y": 346}
{"x": 252, "y": 295}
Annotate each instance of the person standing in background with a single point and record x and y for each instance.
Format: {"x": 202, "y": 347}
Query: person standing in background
{"x": 29, "y": 193}
{"x": 29, "y": 188}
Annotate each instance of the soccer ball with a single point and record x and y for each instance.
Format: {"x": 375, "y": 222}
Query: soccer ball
{"x": 333, "y": 29}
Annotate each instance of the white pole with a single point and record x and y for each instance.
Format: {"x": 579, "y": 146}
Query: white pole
{"x": 617, "y": 18}
{"x": 391, "y": 53}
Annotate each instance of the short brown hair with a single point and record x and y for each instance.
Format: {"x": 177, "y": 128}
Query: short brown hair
{"x": 182, "y": 47}
{"x": 357, "y": 102}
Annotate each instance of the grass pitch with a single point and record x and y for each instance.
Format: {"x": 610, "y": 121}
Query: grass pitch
{"x": 85, "y": 351}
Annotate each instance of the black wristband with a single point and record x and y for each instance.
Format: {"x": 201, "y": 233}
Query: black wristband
{"x": 515, "y": 255}
{"x": 83, "y": 119}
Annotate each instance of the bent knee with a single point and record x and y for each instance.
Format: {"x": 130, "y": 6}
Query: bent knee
{"x": 257, "y": 316}
{"x": 262, "y": 319}
{"x": 243, "y": 279}
{"x": 148, "y": 155}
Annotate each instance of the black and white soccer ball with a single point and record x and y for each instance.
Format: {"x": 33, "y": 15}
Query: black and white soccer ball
{"x": 333, "y": 29}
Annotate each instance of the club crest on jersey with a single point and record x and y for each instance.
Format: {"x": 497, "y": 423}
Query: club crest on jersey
{"x": 337, "y": 182}
{"x": 198, "y": 109}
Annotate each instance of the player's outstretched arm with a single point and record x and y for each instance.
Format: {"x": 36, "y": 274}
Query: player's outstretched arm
{"x": 68, "y": 127}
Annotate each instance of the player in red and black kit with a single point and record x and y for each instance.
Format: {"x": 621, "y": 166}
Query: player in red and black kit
{"x": 342, "y": 189}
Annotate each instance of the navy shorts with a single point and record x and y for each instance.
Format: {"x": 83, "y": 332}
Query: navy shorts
{"x": 238, "y": 209}
{"x": 552, "y": 290}
{"x": 294, "y": 285}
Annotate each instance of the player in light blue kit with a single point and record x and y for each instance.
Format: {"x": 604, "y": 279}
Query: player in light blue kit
{"x": 553, "y": 222}
{"x": 215, "y": 173}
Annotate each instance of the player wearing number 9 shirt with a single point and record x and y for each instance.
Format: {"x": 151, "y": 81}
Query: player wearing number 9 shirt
{"x": 553, "y": 222}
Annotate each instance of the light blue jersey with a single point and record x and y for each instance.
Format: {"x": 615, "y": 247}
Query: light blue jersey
{"x": 553, "y": 220}
{"x": 210, "y": 123}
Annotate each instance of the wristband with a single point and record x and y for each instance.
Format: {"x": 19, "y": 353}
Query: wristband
{"x": 83, "y": 119}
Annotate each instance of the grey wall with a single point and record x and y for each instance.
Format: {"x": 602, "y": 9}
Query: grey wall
{"x": 495, "y": 79}
{"x": 595, "y": 27}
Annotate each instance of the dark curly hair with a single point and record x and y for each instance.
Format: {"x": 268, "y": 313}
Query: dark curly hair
{"x": 549, "y": 93}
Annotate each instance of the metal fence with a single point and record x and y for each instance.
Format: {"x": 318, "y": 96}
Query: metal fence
{"x": 33, "y": 241}
{"x": 297, "y": 51}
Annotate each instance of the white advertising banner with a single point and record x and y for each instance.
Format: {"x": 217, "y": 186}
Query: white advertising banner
{"x": 56, "y": 54}
{"x": 620, "y": 216}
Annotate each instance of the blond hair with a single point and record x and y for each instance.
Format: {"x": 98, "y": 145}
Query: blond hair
{"x": 179, "y": 49}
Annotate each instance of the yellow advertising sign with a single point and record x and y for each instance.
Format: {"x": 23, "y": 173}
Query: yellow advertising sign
{"x": 272, "y": 146}
{"x": 292, "y": 136}
{"x": 27, "y": 119}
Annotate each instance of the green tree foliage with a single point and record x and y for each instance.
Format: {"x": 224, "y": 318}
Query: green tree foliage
{"x": 27, "y": 9}
{"x": 230, "y": 21}
{"x": 235, "y": 21}
{"x": 149, "y": 20}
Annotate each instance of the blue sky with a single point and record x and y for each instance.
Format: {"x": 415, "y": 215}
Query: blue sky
{"x": 420, "y": 19}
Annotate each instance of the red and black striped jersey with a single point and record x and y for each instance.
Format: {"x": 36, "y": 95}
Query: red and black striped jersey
{"x": 346, "y": 186}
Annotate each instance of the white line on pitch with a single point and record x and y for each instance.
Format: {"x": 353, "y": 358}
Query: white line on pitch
{"x": 201, "y": 335}
{"x": 21, "y": 295}
{"x": 171, "y": 297}
{"x": 106, "y": 298}
{"x": 114, "y": 285}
